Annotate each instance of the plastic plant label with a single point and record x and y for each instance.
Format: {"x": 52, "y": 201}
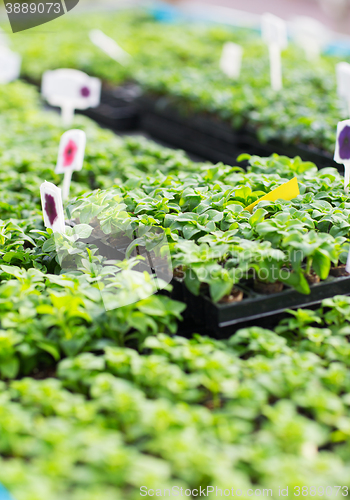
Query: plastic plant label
{"x": 287, "y": 191}
{"x": 310, "y": 35}
{"x": 70, "y": 89}
{"x": 71, "y": 151}
{"x": 4, "y": 41}
{"x": 70, "y": 157}
{"x": 347, "y": 267}
{"x": 342, "y": 150}
{"x": 274, "y": 33}
{"x": 343, "y": 81}
{"x": 10, "y": 65}
{"x": 231, "y": 60}
{"x": 109, "y": 46}
{"x": 51, "y": 202}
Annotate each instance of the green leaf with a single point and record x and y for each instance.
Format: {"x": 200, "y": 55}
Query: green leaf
{"x": 192, "y": 282}
{"x": 49, "y": 245}
{"x": 298, "y": 281}
{"x": 321, "y": 264}
{"x": 9, "y": 368}
{"x": 189, "y": 231}
{"x": 258, "y": 216}
{"x": 51, "y": 348}
{"x": 83, "y": 231}
{"x": 244, "y": 156}
{"x": 219, "y": 288}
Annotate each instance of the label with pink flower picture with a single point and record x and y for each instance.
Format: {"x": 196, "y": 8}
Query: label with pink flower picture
{"x": 71, "y": 151}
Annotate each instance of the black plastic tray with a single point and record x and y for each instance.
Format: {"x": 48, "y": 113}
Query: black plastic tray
{"x": 119, "y": 108}
{"x": 203, "y": 316}
{"x": 213, "y": 139}
{"x": 222, "y": 320}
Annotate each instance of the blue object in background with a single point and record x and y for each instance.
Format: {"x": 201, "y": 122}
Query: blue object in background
{"x": 4, "y": 494}
{"x": 340, "y": 48}
{"x": 165, "y": 13}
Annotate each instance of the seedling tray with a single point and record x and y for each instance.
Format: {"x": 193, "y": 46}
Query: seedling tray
{"x": 119, "y": 109}
{"x": 222, "y": 320}
{"x": 214, "y": 140}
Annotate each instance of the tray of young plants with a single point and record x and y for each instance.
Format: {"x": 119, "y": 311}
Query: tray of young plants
{"x": 102, "y": 401}
{"x": 188, "y": 100}
{"x": 214, "y": 139}
{"x": 234, "y": 266}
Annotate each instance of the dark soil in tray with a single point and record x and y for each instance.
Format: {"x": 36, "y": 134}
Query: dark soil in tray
{"x": 213, "y": 139}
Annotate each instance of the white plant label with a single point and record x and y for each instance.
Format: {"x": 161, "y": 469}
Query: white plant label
{"x": 70, "y": 157}
{"x": 310, "y": 35}
{"x": 10, "y": 65}
{"x": 274, "y": 33}
{"x": 51, "y": 202}
{"x": 343, "y": 81}
{"x": 342, "y": 150}
{"x": 347, "y": 267}
{"x": 4, "y": 41}
{"x": 109, "y": 46}
{"x": 231, "y": 60}
{"x": 70, "y": 89}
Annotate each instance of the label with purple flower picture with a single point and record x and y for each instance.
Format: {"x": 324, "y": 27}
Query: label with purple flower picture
{"x": 342, "y": 148}
{"x": 71, "y": 151}
{"x": 51, "y": 202}
{"x": 70, "y": 89}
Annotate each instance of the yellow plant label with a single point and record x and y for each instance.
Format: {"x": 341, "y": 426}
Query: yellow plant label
{"x": 287, "y": 191}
